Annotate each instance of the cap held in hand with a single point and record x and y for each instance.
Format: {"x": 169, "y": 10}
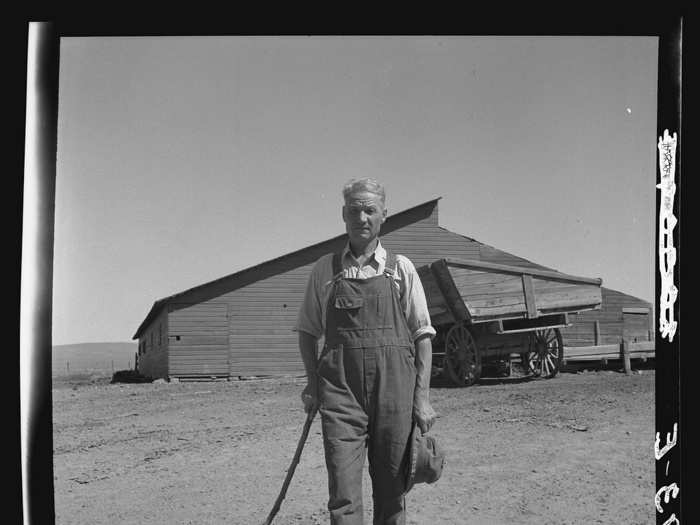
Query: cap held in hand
{"x": 426, "y": 459}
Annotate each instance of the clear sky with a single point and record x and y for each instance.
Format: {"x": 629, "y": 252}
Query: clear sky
{"x": 184, "y": 159}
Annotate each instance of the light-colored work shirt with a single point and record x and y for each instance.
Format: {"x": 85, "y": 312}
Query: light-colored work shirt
{"x": 312, "y": 314}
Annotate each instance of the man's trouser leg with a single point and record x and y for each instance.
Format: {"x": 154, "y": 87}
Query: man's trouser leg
{"x": 390, "y": 428}
{"x": 344, "y": 422}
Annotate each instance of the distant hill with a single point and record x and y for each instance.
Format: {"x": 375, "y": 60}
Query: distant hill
{"x": 92, "y": 357}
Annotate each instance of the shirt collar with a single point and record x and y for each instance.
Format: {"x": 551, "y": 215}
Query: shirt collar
{"x": 379, "y": 254}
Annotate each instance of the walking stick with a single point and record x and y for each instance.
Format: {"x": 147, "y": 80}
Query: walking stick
{"x": 290, "y": 472}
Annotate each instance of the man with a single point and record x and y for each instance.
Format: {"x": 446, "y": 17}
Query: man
{"x": 372, "y": 378}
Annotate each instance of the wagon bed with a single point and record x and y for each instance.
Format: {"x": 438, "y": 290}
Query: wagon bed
{"x": 487, "y": 310}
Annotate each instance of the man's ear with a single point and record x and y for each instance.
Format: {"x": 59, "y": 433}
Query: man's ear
{"x": 342, "y": 213}
{"x": 384, "y": 214}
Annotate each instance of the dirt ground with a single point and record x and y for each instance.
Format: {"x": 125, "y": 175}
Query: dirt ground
{"x": 574, "y": 449}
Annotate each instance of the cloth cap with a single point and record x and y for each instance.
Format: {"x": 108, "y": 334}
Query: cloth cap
{"x": 426, "y": 459}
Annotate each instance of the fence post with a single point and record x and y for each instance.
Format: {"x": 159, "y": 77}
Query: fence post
{"x": 626, "y": 356}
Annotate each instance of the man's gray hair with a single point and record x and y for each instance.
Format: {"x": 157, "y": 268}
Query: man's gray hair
{"x": 367, "y": 185}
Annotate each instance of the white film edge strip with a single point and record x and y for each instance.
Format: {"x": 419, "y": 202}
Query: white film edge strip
{"x": 667, "y": 221}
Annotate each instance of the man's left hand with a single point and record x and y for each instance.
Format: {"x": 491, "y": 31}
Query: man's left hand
{"x": 423, "y": 414}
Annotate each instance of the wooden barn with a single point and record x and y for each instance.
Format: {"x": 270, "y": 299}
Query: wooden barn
{"x": 241, "y": 325}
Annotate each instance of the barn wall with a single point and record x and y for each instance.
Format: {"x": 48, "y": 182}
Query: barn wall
{"x": 241, "y": 325}
{"x": 262, "y": 316}
{"x": 153, "y": 360}
{"x": 198, "y": 339}
{"x": 612, "y": 321}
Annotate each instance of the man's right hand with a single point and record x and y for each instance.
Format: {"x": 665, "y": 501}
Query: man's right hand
{"x": 309, "y": 396}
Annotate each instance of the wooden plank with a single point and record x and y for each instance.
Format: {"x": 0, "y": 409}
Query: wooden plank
{"x": 285, "y": 361}
{"x": 184, "y": 322}
{"x": 632, "y": 310}
{"x": 198, "y": 357}
{"x": 501, "y": 310}
{"x": 596, "y": 350}
{"x": 519, "y": 270}
{"x": 437, "y": 307}
{"x": 479, "y": 280}
{"x": 596, "y": 332}
{"x": 255, "y": 353}
{"x": 453, "y": 299}
{"x": 199, "y": 353}
{"x": 253, "y": 344}
{"x": 500, "y": 317}
{"x": 552, "y": 299}
{"x": 642, "y": 346}
{"x": 495, "y": 301}
{"x": 197, "y": 314}
{"x": 285, "y": 332}
{"x": 198, "y": 371}
{"x": 246, "y": 313}
{"x": 197, "y": 331}
{"x": 529, "y": 292}
{"x": 642, "y": 355}
{"x": 568, "y": 359}
{"x": 199, "y": 308}
{"x": 200, "y": 340}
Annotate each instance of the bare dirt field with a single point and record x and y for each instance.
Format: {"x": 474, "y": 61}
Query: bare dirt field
{"x": 574, "y": 449}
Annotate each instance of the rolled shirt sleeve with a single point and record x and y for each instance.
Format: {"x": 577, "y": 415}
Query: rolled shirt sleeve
{"x": 310, "y": 315}
{"x": 413, "y": 301}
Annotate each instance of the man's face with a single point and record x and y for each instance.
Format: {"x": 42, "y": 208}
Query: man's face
{"x": 363, "y": 214}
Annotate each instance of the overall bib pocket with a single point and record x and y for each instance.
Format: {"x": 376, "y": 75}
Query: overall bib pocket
{"x": 348, "y": 311}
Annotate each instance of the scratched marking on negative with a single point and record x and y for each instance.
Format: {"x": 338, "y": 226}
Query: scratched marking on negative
{"x": 667, "y": 221}
{"x": 667, "y": 491}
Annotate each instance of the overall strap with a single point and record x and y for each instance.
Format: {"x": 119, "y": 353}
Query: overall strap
{"x": 390, "y": 265}
{"x": 337, "y": 265}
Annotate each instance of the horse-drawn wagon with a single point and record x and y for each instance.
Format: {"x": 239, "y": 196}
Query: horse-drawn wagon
{"x": 485, "y": 312}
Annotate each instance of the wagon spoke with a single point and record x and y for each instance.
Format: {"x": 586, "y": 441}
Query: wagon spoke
{"x": 461, "y": 362}
{"x": 544, "y": 352}
{"x": 551, "y": 363}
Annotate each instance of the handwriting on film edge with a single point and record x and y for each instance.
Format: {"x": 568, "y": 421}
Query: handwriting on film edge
{"x": 667, "y": 222}
{"x": 668, "y": 491}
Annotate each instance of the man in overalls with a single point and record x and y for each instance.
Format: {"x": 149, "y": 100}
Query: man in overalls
{"x": 372, "y": 378}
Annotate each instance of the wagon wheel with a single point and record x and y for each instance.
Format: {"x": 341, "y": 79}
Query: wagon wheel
{"x": 544, "y": 354}
{"x": 462, "y": 363}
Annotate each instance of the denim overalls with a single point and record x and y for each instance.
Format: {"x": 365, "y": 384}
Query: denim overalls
{"x": 366, "y": 382}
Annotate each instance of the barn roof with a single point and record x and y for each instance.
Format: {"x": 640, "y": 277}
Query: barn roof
{"x": 161, "y": 303}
